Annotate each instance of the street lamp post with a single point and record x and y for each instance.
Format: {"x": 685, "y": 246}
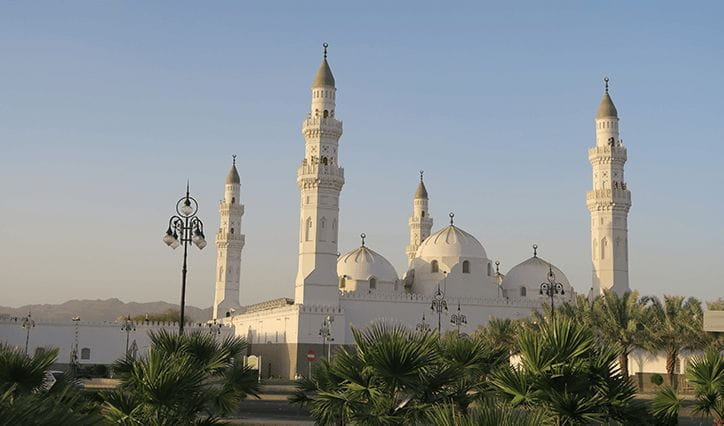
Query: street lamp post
{"x": 128, "y": 326}
{"x": 438, "y": 305}
{"x": 184, "y": 228}
{"x": 551, "y": 289}
{"x": 214, "y": 328}
{"x": 458, "y": 319}
{"x": 422, "y": 326}
{"x": 27, "y": 324}
{"x": 326, "y": 332}
{"x": 74, "y": 349}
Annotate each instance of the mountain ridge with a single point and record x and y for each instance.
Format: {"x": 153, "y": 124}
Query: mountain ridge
{"x": 100, "y": 310}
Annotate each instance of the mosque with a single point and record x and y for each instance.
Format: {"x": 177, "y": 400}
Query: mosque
{"x": 450, "y": 282}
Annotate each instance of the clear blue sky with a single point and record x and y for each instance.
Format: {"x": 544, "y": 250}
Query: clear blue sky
{"x": 107, "y": 107}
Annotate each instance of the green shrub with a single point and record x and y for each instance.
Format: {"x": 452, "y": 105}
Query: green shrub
{"x": 657, "y": 379}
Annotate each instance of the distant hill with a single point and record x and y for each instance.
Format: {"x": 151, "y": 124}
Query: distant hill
{"x": 101, "y": 310}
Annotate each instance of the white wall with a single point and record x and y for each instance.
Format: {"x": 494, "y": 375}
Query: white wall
{"x": 106, "y": 341}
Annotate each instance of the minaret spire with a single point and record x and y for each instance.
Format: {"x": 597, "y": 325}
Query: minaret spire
{"x": 609, "y": 202}
{"x": 320, "y": 180}
{"x": 229, "y": 244}
{"x": 420, "y": 222}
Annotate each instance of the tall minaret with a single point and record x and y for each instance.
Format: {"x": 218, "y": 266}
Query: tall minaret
{"x": 609, "y": 203}
{"x": 420, "y": 222}
{"x": 320, "y": 181}
{"x": 229, "y": 242}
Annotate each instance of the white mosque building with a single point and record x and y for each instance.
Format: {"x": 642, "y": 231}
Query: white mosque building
{"x": 334, "y": 292}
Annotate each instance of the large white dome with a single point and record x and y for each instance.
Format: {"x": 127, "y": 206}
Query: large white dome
{"x": 451, "y": 241}
{"x": 363, "y": 263}
{"x": 530, "y": 274}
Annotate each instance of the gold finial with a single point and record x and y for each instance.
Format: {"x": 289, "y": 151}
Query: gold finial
{"x": 234, "y": 159}
{"x": 325, "y": 45}
{"x": 363, "y": 236}
{"x": 422, "y": 172}
{"x": 605, "y": 81}
{"x": 497, "y": 267}
{"x": 452, "y": 215}
{"x": 535, "y": 250}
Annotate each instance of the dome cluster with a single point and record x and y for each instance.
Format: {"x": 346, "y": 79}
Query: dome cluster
{"x": 450, "y": 259}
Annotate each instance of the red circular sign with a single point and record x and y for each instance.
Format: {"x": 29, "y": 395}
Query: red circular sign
{"x": 310, "y": 356}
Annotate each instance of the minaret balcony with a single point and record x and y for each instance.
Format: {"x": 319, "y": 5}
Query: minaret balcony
{"x": 320, "y": 170}
{"x": 608, "y": 197}
{"x": 617, "y": 152}
{"x": 322, "y": 126}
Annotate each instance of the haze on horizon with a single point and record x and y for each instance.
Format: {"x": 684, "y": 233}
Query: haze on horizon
{"x": 106, "y": 108}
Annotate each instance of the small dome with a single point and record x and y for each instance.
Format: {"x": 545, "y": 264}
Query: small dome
{"x": 233, "y": 176}
{"x": 451, "y": 241}
{"x": 530, "y": 274}
{"x": 363, "y": 263}
{"x": 606, "y": 108}
{"x": 324, "y": 75}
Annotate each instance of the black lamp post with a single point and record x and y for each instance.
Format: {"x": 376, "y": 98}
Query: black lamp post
{"x": 214, "y": 328}
{"x": 185, "y": 228}
{"x": 422, "y": 326}
{"x": 128, "y": 326}
{"x": 74, "y": 349}
{"x": 27, "y": 324}
{"x": 551, "y": 288}
{"x": 326, "y": 332}
{"x": 438, "y": 305}
{"x": 458, "y": 319}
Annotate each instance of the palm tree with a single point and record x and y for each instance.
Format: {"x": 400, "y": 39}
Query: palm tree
{"x": 26, "y": 399}
{"x": 619, "y": 321}
{"x": 673, "y": 326}
{"x": 566, "y": 373}
{"x": 706, "y": 374}
{"x": 394, "y": 376}
{"x": 179, "y": 380}
{"x": 501, "y": 332}
{"x": 489, "y": 412}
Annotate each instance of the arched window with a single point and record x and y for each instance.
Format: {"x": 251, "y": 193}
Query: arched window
{"x": 326, "y": 113}
{"x": 373, "y": 283}
{"x": 342, "y": 282}
{"x": 322, "y": 225}
{"x": 85, "y": 353}
{"x": 423, "y": 213}
{"x": 434, "y": 266}
{"x": 604, "y": 244}
{"x": 334, "y": 230}
{"x": 523, "y": 292}
{"x": 325, "y": 161}
{"x": 466, "y": 267}
{"x": 490, "y": 272}
{"x": 308, "y": 230}
{"x": 232, "y": 230}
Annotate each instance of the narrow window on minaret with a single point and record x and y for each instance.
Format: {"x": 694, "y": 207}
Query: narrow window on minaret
{"x": 423, "y": 213}
{"x": 604, "y": 243}
{"x": 308, "y": 232}
{"x": 434, "y": 266}
{"x": 233, "y": 200}
{"x": 326, "y": 113}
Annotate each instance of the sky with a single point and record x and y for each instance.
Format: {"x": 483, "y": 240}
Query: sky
{"x": 108, "y": 107}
